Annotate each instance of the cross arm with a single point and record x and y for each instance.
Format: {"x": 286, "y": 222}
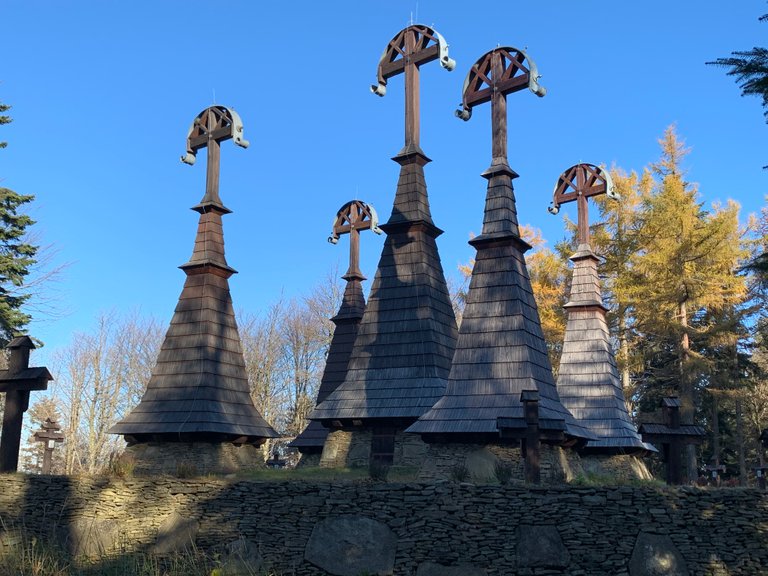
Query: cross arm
{"x": 585, "y": 180}
{"x": 215, "y": 123}
{"x": 428, "y": 46}
{"x": 518, "y": 72}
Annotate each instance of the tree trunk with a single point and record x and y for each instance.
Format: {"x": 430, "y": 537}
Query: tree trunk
{"x": 740, "y": 441}
{"x": 687, "y": 401}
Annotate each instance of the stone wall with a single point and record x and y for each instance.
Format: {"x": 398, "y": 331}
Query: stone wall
{"x": 442, "y": 462}
{"x": 445, "y": 528}
{"x": 352, "y": 448}
{"x": 193, "y": 458}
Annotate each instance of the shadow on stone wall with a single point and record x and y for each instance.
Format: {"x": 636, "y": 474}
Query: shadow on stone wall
{"x": 303, "y": 528}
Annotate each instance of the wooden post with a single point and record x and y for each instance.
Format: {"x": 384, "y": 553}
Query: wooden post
{"x": 532, "y": 443}
{"x": 352, "y": 218}
{"x": 17, "y": 381}
{"x": 672, "y": 436}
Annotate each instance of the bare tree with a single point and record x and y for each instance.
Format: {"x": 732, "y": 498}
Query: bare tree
{"x": 100, "y": 376}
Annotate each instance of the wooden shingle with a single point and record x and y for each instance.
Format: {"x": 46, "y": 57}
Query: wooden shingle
{"x": 400, "y": 361}
{"x": 199, "y": 387}
{"x": 588, "y": 381}
{"x": 500, "y": 350}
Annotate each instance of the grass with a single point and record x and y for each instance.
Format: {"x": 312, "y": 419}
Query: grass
{"x": 21, "y": 555}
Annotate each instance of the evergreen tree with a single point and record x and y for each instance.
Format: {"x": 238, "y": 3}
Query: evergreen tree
{"x": 17, "y": 256}
{"x": 750, "y": 68}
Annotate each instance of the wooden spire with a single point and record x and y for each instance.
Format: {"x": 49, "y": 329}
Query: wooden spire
{"x": 400, "y": 361}
{"x": 588, "y": 381}
{"x": 352, "y": 218}
{"x": 500, "y": 351}
{"x": 199, "y": 387}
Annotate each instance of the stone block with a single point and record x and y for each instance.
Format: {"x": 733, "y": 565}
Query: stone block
{"x": 92, "y": 538}
{"x": 175, "y": 533}
{"x": 541, "y": 547}
{"x": 242, "y": 558}
{"x": 481, "y": 465}
{"x": 352, "y": 545}
{"x": 656, "y": 555}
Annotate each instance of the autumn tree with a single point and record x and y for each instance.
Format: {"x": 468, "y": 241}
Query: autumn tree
{"x": 685, "y": 268}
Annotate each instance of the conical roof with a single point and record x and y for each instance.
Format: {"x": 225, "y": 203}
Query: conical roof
{"x": 501, "y": 350}
{"x": 588, "y": 381}
{"x": 199, "y": 386}
{"x": 347, "y": 322}
{"x": 401, "y": 358}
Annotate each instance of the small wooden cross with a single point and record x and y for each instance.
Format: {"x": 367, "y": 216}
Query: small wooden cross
{"x": 579, "y": 183}
{"x": 351, "y": 218}
{"x": 497, "y": 73}
{"x": 409, "y": 49}
{"x": 49, "y": 435}
{"x": 212, "y": 126}
{"x": 17, "y": 382}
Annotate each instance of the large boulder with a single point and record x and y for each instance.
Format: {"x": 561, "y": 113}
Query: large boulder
{"x": 656, "y": 555}
{"x": 352, "y": 545}
{"x": 175, "y": 533}
{"x": 541, "y": 547}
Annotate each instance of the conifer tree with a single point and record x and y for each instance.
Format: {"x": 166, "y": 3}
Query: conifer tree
{"x": 17, "y": 256}
{"x": 686, "y": 269}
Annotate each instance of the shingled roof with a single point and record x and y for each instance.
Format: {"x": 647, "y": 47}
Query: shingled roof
{"x": 199, "y": 386}
{"x": 399, "y": 364}
{"x": 587, "y": 380}
{"x": 500, "y": 350}
{"x": 347, "y": 322}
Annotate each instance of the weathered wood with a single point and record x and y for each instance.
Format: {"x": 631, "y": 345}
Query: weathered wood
{"x": 405, "y": 53}
{"x": 49, "y": 434}
{"x": 17, "y": 381}
{"x": 401, "y": 356}
{"x": 501, "y": 351}
{"x": 672, "y": 436}
{"x": 351, "y": 218}
{"x": 199, "y": 388}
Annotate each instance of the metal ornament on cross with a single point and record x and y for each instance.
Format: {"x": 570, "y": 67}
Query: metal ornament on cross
{"x": 405, "y": 53}
{"x": 497, "y": 73}
{"x": 577, "y": 184}
{"x": 211, "y": 127}
{"x": 352, "y": 218}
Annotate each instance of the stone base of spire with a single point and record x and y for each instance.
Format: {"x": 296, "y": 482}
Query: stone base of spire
{"x": 614, "y": 469}
{"x": 352, "y": 449}
{"x": 481, "y": 463}
{"x": 193, "y": 458}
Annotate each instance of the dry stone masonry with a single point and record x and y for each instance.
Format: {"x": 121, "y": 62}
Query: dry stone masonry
{"x": 417, "y": 529}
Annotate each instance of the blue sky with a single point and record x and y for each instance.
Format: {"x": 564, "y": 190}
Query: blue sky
{"x": 103, "y": 93}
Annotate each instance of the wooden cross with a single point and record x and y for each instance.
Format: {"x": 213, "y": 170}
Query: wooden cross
{"x": 409, "y": 49}
{"x": 497, "y": 73}
{"x": 17, "y": 382}
{"x": 49, "y": 435}
{"x": 351, "y": 218}
{"x": 672, "y": 436}
{"x": 579, "y": 183}
{"x": 212, "y": 126}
